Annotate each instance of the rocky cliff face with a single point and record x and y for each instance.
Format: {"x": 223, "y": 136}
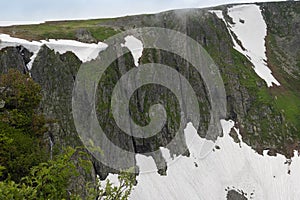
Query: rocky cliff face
{"x": 266, "y": 119}
{"x": 50, "y": 70}
{"x": 262, "y": 120}
{"x": 15, "y": 57}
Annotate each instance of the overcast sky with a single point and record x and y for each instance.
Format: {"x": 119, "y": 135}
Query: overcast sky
{"x": 40, "y": 10}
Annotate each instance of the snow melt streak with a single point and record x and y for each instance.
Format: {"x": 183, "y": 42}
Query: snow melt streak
{"x": 250, "y": 28}
{"x": 252, "y": 34}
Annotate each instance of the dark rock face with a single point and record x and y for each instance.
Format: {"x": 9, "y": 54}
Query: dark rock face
{"x": 14, "y": 57}
{"x": 56, "y": 74}
{"x": 284, "y": 27}
{"x": 234, "y": 195}
{"x": 84, "y": 35}
{"x": 25, "y": 54}
{"x": 141, "y": 101}
{"x": 243, "y": 86}
{"x": 249, "y": 101}
{"x": 283, "y": 52}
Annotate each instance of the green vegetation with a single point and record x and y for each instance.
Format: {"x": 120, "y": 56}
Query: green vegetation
{"x": 288, "y": 97}
{"x": 20, "y": 126}
{"x": 25, "y": 169}
{"x": 120, "y": 191}
{"x": 60, "y": 30}
{"x": 51, "y": 180}
{"x": 277, "y": 110}
{"x": 48, "y": 180}
{"x": 273, "y": 111}
{"x": 290, "y": 106}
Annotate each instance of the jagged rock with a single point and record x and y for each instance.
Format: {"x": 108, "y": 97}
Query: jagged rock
{"x": 234, "y": 195}
{"x": 83, "y": 35}
{"x": 56, "y": 74}
{"x": 14, "y": 57}
{"x": 25, "y": 53}
{"x": 258, "y": 120}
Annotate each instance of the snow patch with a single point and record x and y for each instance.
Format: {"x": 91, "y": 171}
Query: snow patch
{"x": 252, "y": 35}
{"x": 84, "y": 51}
{"x": 220, "y": 15}
{"x": 32, "y": 46}
{"x": 8, "y": 41}
{"x": 250, "y": 28}
{"x": 135, "y": 46}
{"x": 233, "y": 165}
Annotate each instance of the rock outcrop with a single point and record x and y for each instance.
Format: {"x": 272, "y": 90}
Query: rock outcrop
{"x": 250, "y": 102}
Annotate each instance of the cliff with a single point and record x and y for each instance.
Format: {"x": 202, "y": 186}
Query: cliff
{"x": 267, "y": 116}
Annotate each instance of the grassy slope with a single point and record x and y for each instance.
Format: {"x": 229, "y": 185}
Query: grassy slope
{"x": 60, "y": 30}
{"x": 287, "y": 97}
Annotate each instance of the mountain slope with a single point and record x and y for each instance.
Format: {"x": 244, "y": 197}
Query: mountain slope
{"x": 261, "y": 74}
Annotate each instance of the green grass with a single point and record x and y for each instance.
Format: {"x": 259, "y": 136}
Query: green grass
{"x": 288, "y": 98}
{"x": 61, "y": 30}
{"x": 289, "y": 104}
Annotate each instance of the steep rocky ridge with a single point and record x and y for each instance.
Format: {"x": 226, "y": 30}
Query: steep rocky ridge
{"x": 262, "y": 120}
{"x": 265, "y": 117}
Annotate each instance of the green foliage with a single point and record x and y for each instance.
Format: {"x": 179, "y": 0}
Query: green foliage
{"x": 120, "y": 191}
{"x": 20, "y": 126}
{"x": 19, "y": 91}
{"x": 47, "y": 180}
{"x": 21, "y": 154}
{"x": 51, "y": 180}
{"x": 25, "y": 172}
{"x": 12, "y": 190}
{"x": 21, "y": 96}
